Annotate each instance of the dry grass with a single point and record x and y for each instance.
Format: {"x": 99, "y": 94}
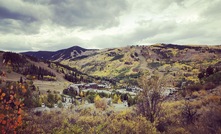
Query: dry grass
{"x": 51, "y": 85}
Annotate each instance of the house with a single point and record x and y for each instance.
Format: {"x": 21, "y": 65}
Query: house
{"x": 134, "y": 89}
{"x": 68, "y": 99}
{"x": 55, "y": 105}
{"x": 43, "y": 108}
{"x": 79, "y": 85}
{"x": 169, "y": 91}
{"x": 73, "y": 87}
{"x": 91, "y": 85}
{"x": 103, "y": 86}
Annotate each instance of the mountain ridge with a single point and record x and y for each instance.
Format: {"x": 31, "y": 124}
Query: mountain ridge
{"x": 59, "y": 55}
{"x": 126, "y": 64}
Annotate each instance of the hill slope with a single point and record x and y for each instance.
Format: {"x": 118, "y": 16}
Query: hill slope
{"x": 63, "y": 54}
{"x": 178, "y": 62}
{"x": 126, "y": 64}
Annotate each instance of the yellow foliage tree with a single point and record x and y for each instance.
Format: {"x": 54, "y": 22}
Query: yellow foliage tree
{"x": 97, "y": 98}
{"x": 100, "y": 103}
{"x": 115, "y": 99}
{"x": 81, "y": 94}
{"x": 119, "y": 101}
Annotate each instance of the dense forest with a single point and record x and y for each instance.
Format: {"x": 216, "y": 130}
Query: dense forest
{"x": 20, "y": 64}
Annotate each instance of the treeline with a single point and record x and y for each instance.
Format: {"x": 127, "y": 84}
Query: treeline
{"x": 38, "y": 72}
{"x": 76, "y": 76}
{"x": 70, "y": 74}
{"x": 211, "y": 74}
{"x": 20, "y": 64}
{"x": 14, "y": 59}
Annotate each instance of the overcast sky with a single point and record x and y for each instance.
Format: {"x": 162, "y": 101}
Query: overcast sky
{"x": 55, "y": 24}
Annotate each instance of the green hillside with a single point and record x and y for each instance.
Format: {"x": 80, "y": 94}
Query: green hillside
{"x": 176, "y": 61}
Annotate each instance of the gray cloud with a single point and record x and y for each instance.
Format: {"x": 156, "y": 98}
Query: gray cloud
{"x": 56, "y": 24}
{"x": 87, "y": 13}
{"x": 18, "y": 27}
{"x": 7, "y": 14}
{"x": 21, "y": 17}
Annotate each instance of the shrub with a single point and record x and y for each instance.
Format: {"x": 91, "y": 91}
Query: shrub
{"x": 178, "y": 130}
{"x": 101, "y": 103}
{"x": 203, "y": 92}
{"x": 210, "y": 121}
{"x": 195, "y": 94}
{"x": 194, "y": 87}
{"x": 90, "y": 98}
{"x": 103, "y": 94}
{"x": 9, "y": 71}
{"x": 209, "y": 85}
{"x": 155, "y": 64}
{"x": 212, "y": 99}
{"x": 215, "y": 78}
{"x": 117, "y": 57}
{"x": 189, "y": 113}
{"x": 12, "y": 100}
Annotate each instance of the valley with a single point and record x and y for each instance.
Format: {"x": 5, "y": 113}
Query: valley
{"x": 91, "y": 85}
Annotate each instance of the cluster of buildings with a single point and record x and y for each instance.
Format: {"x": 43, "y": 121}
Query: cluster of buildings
{"x": 91, "y": 86}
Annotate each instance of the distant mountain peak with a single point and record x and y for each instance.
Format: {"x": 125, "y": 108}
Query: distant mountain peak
{"x": 59, "y": 55}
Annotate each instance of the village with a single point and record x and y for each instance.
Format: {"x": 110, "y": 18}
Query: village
{"x": 82, "y": 96}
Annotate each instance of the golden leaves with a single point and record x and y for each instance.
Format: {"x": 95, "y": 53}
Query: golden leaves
{"x": 3, "y": 94}
{"x": 11, "y": 106}
{"x": 19, "y": 120}
{"x": 24, "y": 90}
{"x": 17, "y": 103}
{"x": 11, "y": 97}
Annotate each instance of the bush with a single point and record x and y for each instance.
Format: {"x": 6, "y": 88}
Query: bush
{"x": 155, "y": 64}
{"x": 90, "y": 98}
{"x": 194, "y": 87}
{"x": 215, "y": 78}
{"x": 203, "y": 92}
{"x": 212, "y": 99}
{"x": 209, "y": 85}
{"x": 189, "y": 113}
{"x": 117, "y": 57}
{"x": 195, "y": 94}
{"x": 179, "y": 130}
{"x": 9, "y": 71}
{"x": 102, "y": 94}
{"x": 101, "y": 103}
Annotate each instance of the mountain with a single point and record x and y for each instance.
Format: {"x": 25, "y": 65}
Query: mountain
{"x": 126, "y": 64}
{"x": 63, "y": 54}
{"x": 16, "y": 65}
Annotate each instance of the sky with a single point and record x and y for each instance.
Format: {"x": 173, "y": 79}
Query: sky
{"x": 33, "y": 25}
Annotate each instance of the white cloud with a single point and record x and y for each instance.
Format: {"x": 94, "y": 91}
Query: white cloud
{"x": 53, "y": 24}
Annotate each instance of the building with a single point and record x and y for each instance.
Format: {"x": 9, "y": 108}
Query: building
{"x": 91, "y": 85}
